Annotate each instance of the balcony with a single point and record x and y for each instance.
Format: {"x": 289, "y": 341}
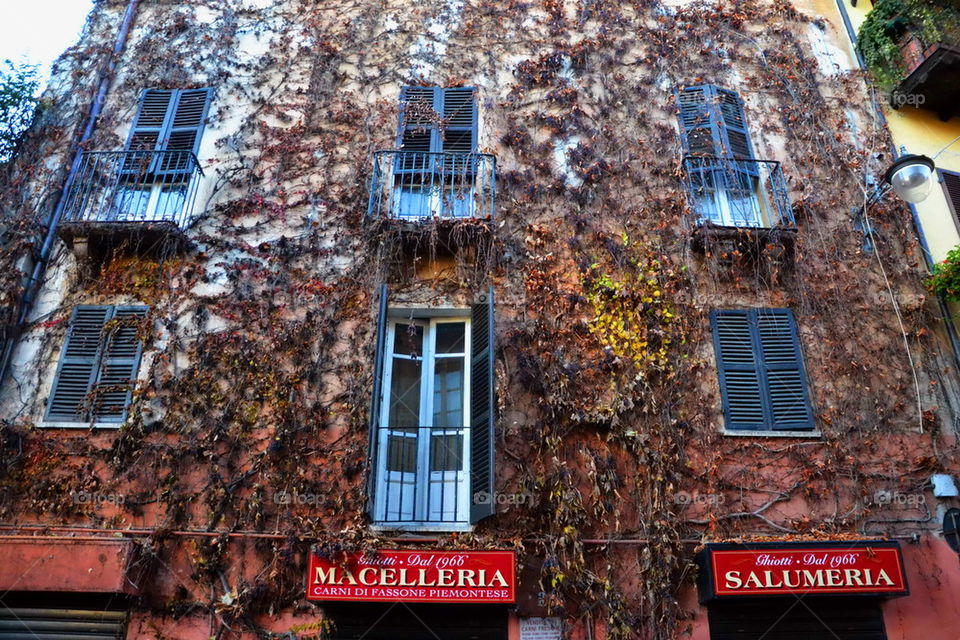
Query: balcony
{"x": 744, "y": 200}
{"x": 422, "y": 477}
{"x": 118, "y": 194}
{"x": 418, "y": 186}
{"x": 912, "y": 48}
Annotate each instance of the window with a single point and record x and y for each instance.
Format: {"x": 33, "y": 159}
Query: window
{"x": 951, "y": 190}
{"x": 160, "y": 156}
{"x": 727, "y": 183}
{"x": 435, "y": 171}
{"x": 431, "y": 443}
{"x": 98, "y": 365}
{"x": 762, "y": 379}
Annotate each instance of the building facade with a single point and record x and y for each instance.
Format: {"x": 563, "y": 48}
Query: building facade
{"x": 476, "y": 319}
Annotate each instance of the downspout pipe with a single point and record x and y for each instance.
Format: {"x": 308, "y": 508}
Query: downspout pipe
{"x": 32, "y": 288}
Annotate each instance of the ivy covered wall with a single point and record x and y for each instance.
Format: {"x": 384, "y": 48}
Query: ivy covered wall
{"x": 258, "y": 370}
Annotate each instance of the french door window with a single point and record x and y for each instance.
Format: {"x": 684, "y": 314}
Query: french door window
{"x": 423, "y": 459}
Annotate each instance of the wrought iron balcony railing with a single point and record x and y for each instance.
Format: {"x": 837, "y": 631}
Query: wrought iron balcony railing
{"x": 417, "y": 185}
{"x": 730, "y": 192}
{"x": 422, "y": 477}
{"x": 134, "y": 186}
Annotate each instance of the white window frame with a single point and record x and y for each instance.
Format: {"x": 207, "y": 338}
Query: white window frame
{"x": 718, "y": 200}
{"x": 423, "y": 480}
{"x": 152, "y": 212}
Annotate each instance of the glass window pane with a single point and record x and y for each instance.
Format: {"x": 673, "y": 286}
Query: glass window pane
{"x": 130, "y": 203}
{"x": 172, "y": 199}
{"x": 408, "y": 339}
{"x": 446, "y": 452}
{"x": 448, "y": 392}
{"x": 405, "y": 393}
{"x": 450, "y": 337}
{"x": 402, "y": 450}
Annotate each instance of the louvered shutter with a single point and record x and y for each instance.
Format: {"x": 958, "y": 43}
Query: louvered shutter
{"x": 147, "y": 133}
{"x": 951, "y": 189}
{"x": 713, "y": 123}
{"x": 98, "y": 368}
{"x": 741, "y": 385}
{"x": 735, "y": 138}
{"x": 762, "y": 379}
{"x": 152, "y": 120}
{"x": 698, "y": 124}
{"x": 420, "y": 111}
{"x": 482, "y": 408}
{"x": 459, "y": 120}
{"x": 185, "y": 130}
{"x": 118, "y": 366}
{"x": 78, "y": 368}
{"x": 167, "y": 120}
{"x": 376, "y": 399}
{"x": 786, "y": 381}
{"x": 42, "y": 620}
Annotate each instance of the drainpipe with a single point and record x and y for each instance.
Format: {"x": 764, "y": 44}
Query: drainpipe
{"x": 32, "y": 288}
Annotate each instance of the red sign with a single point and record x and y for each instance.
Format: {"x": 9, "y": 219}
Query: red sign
{"x": 415, "y": 576}
{"x": 835, "y": 569}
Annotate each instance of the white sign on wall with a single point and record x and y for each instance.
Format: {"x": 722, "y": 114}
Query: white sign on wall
{"x": 541, "y": 628}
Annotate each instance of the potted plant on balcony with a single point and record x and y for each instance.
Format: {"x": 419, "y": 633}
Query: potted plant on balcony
{"x": 898, "y": 34}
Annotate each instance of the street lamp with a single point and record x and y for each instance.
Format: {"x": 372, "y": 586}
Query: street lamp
{"x": 910, "y": 177}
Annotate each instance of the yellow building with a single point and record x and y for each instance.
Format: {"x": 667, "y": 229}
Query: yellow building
{"x": 912, "y": 48}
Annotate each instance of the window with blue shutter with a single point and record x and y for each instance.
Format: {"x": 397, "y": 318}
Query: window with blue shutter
{"x": 436, "y": 119}
{"x": 713, "y": 123}
{"x": 435, "y": 168}
{"x": 432, "y": 417}
{"x": 169, "y": 121}
{"x": 763, "y": 383}
{"x": 718, "y": 159}
{"x": 98, "y": 365}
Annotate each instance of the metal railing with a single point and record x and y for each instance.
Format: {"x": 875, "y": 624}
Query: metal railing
{"x": 732, "y": 192}
{"x": 134, "y": 186}
{"x": 416, "y": 185}
{"x": 422, "y": 475}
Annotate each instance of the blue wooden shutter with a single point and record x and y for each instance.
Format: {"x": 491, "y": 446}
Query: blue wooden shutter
{"x": 98, "y": 367}
{"x": 168, "y": 120}
{"x": 119, "y": 364}
{"x": 735, "y": 137}
{"x": 713, "y": 122}
{"x": 187, "y": 117}
{"x": 78, "y": 367}
{"x": 482, "y": 408}
{"x": 419, "y": 134}
{"x": 376, "y": 399}
{"x": 699, "y": 127}
{"x": 459, "y": 120}
{"x": 785, "y": 378}
{"x": 152, "y": 120}
{"x": 741, "y": 384}
{"x": 762, "y": 379}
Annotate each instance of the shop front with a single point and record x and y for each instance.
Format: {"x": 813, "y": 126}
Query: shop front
{"x": 409, "y": 595}
{"x": 785, "y": 591}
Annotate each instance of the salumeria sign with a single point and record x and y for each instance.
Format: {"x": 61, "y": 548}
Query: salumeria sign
{"x": 415, "y": 576}
{"x": 815, "y": 570}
